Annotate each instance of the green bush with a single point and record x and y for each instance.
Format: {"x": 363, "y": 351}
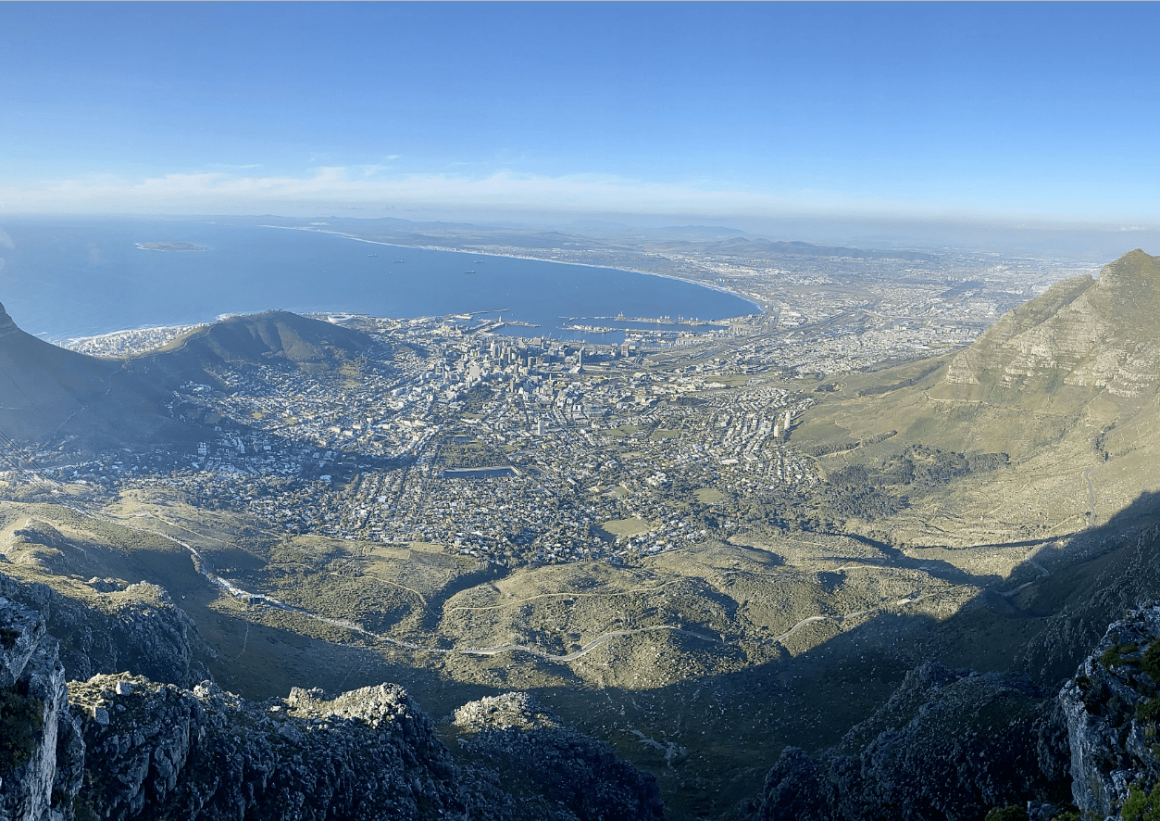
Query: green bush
{"x": 21, "y": 717}
{"x": 1013, "y": 812}
{"x": 1141, "y": 807}
{"x": 1151, "y": 662}
{"x": 1149, "y": 710}
{"x": 1114, "y": 656}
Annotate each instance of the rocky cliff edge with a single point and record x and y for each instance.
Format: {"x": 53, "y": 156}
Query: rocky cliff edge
{"x": 125, "y": 747}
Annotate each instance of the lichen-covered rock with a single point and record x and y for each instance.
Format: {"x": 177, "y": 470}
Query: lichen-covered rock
{"x": 158, "y": 751}
{"x": 1111, "y": 728}
{"x": 124, "y": 627}
{"x": 40, "y": 747}
{"x": 948, "y": 744}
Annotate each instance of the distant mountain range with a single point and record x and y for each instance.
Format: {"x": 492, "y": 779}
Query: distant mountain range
{"x": 761, "y": 248}
{"x": 594, "y": 235}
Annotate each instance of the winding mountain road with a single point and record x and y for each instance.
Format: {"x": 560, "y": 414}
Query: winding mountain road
{"x": 205, "y": 569}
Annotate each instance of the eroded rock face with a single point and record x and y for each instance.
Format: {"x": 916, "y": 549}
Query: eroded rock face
{"x": 948, "y": 744}
{"x": 158, "y": 751}
{"x": 1112, "y": 734}
{"x": 41, "y": 752}
{"x": 132, "y": 627}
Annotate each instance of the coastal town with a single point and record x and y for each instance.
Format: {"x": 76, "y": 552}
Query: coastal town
{"x": 463, "y": 431}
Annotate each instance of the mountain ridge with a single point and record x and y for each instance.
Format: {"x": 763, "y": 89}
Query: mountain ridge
{"x": 90, "y": 403}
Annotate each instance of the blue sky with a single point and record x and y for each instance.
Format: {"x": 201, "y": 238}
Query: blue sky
{"x": 1044, "y": 112}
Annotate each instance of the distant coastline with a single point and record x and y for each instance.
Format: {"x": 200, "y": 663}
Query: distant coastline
{"x": 251, "y": 269}
{"x": 712, "y": 287}
{"x": 170, "y": 246}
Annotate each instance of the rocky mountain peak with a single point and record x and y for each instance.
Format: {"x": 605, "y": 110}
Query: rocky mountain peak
{"x": 7, "y": 326}
{"x": 1132, "y": 281}
{"x": 1095, "y": 334}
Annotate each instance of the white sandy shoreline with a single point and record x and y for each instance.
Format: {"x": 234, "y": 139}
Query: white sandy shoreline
{"x": 710, "y": 286}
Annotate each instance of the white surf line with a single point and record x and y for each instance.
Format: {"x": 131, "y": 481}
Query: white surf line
{"x": 262, "y": 599}
{"x": 476, "y": 252}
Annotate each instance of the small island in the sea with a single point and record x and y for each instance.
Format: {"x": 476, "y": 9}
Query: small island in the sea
{"x": 170, "y": 246}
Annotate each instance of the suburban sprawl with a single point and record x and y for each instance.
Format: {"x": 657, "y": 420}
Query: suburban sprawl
{"x": 516, "y": 449}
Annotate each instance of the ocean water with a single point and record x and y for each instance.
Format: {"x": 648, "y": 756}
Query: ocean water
{"x": 68, "y": 278}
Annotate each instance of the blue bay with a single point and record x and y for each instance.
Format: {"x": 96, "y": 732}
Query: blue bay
{"x": 63, "y": 279}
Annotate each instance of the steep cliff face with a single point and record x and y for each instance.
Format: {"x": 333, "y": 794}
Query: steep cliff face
{"x": 157, "y": 751}
{"x": 123, "y": 627}
{"x": 1113, "y": 715}
{"x": 41, "y": 752}
{"x": 948, "y": 744}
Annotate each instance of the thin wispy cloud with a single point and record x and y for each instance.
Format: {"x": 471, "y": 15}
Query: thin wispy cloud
{"x": 221, "y": 191}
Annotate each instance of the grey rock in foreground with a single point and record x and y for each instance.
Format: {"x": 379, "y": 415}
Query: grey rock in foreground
{"x": 41, "y": 753}
{"x": 125, "y": 747}
{"x": 127, "y": 627}
{"x": 1113, "y": 732}
{"x": 157, "y": 751}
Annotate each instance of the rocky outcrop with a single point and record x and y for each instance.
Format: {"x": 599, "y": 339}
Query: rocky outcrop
{"x": 157, "y": 751}
{"x": 948, "y": 744}
{"x": 573, "y": 776}
{"x": 121, "y": 627}
{"x": 1112, "y": 707}
{"x": 41, "y": 752}
{"x": 125, "y": 747}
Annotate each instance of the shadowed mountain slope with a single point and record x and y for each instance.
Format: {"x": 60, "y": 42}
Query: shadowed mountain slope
{"x": 49, "y": 393}
{"x": 53, "y": 397}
